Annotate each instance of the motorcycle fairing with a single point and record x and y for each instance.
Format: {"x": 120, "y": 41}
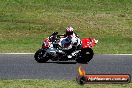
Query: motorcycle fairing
{"x": 88, "y": 42}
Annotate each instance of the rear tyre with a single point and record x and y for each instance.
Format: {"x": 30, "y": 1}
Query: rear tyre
{"x": 39, "y": 56}
{"x": 85, "y": 56}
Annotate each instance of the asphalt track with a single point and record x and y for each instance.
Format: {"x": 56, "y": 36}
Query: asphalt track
{"x": 25, "y": 67}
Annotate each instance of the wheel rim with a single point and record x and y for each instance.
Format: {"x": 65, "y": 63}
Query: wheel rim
{"x": 87, "y": 53}
{"x": 40, "y": 55}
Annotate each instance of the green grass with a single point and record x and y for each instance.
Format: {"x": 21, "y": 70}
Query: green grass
{"x": 24, "y": 23}
{"x": 55, "y": 84}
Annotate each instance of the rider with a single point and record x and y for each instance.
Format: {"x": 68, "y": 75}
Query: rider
{"x": 73, "y": 39}
{"x": 69, "y": 41}
{"x": 69, "y": 37}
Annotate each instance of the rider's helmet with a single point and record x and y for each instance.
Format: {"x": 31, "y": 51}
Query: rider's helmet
{"x": 69, "y": 31}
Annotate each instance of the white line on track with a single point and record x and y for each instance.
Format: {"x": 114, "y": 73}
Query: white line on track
{"x": 33, "y": 53}
{"x": 115, "y": 54}
{"x": 17, "y": 53}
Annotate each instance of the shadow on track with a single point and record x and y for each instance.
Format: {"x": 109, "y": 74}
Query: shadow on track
{"x": 64, "y": 62}
{"x": 61, "y": 62}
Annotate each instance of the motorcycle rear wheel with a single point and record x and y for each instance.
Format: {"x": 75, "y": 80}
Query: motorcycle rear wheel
{"x": 39, "y": 56}
{"x": 85, "y": 56}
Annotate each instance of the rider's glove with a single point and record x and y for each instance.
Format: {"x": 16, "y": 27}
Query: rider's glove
{"x": 55, "y": 33}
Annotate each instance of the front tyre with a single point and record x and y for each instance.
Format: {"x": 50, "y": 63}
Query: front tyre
{"x": 39, "y": 56}
{"x": 85, "y": 56}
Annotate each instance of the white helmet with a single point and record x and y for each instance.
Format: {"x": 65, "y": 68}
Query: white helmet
{"x": 69, "y": 31}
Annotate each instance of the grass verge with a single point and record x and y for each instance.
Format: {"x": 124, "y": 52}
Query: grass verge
{"x": 55, "y": 84}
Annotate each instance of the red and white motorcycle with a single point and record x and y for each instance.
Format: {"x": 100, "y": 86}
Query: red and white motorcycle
{"x": 57, "y": 48}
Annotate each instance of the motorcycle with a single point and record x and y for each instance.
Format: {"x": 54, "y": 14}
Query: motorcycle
{"x": 54, "y": 49}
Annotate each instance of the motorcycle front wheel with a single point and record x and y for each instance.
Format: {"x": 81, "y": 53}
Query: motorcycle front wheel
{"x": 39, "y": 56}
